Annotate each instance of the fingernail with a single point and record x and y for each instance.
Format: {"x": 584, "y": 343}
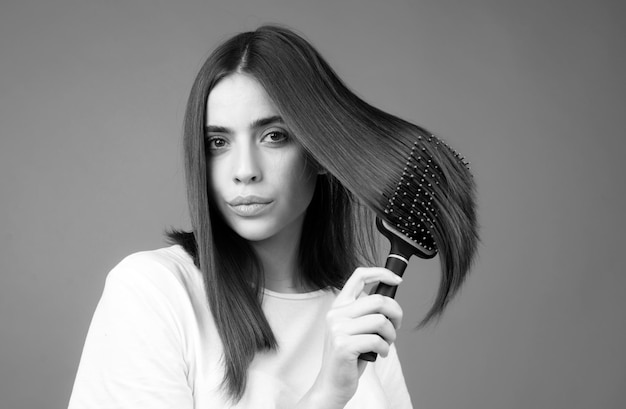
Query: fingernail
{"x": 397, "y": 279}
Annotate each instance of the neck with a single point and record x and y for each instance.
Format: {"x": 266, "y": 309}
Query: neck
{"x": 279, "y": 257}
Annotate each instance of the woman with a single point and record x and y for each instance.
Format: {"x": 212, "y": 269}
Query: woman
{"x": 262, "y": 305}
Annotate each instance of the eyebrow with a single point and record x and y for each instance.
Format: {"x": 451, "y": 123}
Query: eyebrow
{"x": 258, "y": 123}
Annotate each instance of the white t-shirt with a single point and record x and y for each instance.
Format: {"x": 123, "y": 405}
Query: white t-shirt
{"x": 153, "y": 344}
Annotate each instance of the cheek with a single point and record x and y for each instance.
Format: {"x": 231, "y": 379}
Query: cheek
{"x": 301, "y": 178}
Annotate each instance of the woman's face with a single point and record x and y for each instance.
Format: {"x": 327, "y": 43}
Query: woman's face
{"x": 258, "y": 175}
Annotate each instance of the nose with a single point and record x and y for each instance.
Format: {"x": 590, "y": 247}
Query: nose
{"x": 247, "y": 167}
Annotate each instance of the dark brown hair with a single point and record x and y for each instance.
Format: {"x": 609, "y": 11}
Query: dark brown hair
{"x": 336, "y": 236}
{"x": 341, "y": 133}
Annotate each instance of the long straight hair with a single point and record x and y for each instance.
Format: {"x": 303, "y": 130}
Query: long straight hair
{"x": 359, "y": 146}
{"x": 337, "y": 234}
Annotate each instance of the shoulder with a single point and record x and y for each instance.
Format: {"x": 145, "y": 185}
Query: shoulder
{"x": 161, "y": 265}
{"x": 165, "y": 273}
{"x": 158, "y": 288}
{"x": 137, "y": 344}
{"x": 172, "y": 258}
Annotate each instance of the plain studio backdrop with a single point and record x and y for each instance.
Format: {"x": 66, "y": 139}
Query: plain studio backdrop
{"x": 92, "y": 96}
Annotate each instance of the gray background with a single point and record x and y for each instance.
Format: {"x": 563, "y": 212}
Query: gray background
{"x": 531, "y": 92}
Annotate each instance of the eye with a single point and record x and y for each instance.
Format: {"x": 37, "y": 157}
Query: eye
{"x": 216, "y": 143}
{"x": 276, "y": 137}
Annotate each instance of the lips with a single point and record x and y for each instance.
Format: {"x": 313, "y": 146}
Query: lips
{"x": 249, "y": 200}
{"x": 248, "y": 206}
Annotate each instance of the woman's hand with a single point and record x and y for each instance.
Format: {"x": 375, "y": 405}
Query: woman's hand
{"x": 355, "y": 324}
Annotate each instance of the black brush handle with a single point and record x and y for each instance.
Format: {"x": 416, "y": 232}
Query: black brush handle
{"x": 397, "y": 266}
{"x": 396, "y": 263}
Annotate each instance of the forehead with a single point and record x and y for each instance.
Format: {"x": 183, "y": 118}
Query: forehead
{"x": 238, "y": 99}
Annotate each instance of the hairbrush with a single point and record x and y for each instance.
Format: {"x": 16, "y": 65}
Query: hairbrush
{"x": 411, "y": 219}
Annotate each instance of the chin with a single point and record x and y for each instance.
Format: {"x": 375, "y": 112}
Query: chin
{"x": 254, "y": 235}
{"x": 253, "y": 231}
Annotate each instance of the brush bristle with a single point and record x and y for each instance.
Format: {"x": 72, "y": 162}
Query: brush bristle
{"x": 410, "y": 208}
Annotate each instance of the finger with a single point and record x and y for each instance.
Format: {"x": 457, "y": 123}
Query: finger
{"x": 368, "y": 343}
{"x": 372, "y": 304}
{"x": 376, "y": 324}
{"x": 360, "y": 278}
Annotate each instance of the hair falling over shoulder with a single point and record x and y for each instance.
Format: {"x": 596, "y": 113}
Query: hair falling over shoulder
{"x": 364, "y": 151}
